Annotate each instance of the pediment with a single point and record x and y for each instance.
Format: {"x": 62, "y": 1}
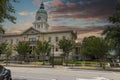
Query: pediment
{"x": 31, "y": 31}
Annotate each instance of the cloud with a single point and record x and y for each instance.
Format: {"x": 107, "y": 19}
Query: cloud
{"x": 58, "y": 3}
{"x": 16, "y": 30}
{"x": 27, "y": 24}
{"x": 36, "y": 2}
{"x": 25, "y": 13}
{"x": 83, "y": 8}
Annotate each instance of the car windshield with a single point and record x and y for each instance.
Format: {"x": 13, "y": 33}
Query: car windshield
{"x": 1, "y": 68}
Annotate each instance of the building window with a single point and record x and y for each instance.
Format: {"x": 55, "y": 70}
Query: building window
{"x": 32, "y": 40}
{"x": 63, "y": 37}
{"x": 17, "y": 41}
{"x": 56, "y": 49}
{"x": 11, "y": 41}
{"x": 41, "y": 25}
{"x": 49, "y": 39}
{"x": 38, "y": 26}
{"x": 24, "y": 38}
{"x": 57, "y": 39}
{"x": 35, "y": 26}
{"x": 38, "y": 37}
{"x": 6, "y": 40}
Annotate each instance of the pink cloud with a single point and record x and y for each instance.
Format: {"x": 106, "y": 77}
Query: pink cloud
{"x": 36, "y": 2}
{"x": 58, "y": 3}
{"x": 70, "y": 4}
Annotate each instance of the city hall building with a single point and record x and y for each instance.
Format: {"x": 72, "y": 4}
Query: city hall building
{"x": 39, "y": 31}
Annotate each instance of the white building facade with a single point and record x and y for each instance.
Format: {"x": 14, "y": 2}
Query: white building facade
{"x": 39, "y": 31}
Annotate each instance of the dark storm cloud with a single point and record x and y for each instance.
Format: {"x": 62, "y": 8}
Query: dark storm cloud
{"x": 84, "y": 9}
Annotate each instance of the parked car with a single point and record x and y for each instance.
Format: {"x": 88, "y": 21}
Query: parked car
{"x": 5, "y": 74}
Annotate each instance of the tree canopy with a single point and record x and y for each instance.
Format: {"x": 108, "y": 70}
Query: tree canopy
{"x": 2, "y": 31}
{"x": 66, "y": 46}
{"x": 94, "y": 47}
{"x": 7, "y": 10}
{"x": 3, "y": 47}
{"x": 115, "y": 18}
{"x": 42, "y": 48}
{"x": 112, "y": 33}
{"x": 23, "y": 48}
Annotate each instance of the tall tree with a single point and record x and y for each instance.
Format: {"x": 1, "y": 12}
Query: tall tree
{"x": 2, "y": 31}
{"x": 6, "y": 50}
{"x": 66, "y": 46}
{"x": 112, "y": 33}
{"x": 23, "y": 48}
{"x": 42, "y": 47}
{"x": 115, "y": 18}
{"x": 3, "y": 47}
{"x": 7, "y": 10}
{"x": 8, "y": 53}
{"x": 95, "y": 47}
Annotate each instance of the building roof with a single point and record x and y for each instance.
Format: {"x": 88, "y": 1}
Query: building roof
{"x": 36, "y": 32}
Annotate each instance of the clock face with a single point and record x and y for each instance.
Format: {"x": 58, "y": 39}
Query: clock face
{"x": 39, "y": 18}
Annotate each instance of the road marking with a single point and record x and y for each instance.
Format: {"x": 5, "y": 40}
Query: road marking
{"x": 97, "y": 78}
{"x": 53, "y": 79}
{"x": 70, "y": 74}
{"x": 66, "y": 73}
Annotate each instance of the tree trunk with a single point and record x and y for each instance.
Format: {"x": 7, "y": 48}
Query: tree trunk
{"x": 63, "y": 59}
{"x": 67, "y": 59}
{"x": 6, "y": 61}
{"x": 43, "y": 59}
{"x": 102, "y": 63}
{"x": 24, "y": 58}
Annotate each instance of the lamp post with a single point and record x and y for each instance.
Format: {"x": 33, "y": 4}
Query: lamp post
{"x": 53, "y": 56}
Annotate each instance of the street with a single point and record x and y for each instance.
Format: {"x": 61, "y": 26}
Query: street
{"x": 23, "y": 73}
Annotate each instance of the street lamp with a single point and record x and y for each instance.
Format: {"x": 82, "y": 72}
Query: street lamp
{"x": 52, "y": 56}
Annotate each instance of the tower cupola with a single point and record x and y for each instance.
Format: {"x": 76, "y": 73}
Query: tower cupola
{"x": 41, "y": 17}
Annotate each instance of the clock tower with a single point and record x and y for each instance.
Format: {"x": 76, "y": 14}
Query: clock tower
{"x": 41, "y": 17}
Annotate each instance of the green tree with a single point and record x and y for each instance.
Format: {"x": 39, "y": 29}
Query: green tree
{"x": 7, "y": 10}
{"x": 23, "y": 48}
{"x": 112, "y": 33}
{"x": 2, "y": 31}
{"x": 115, "y": 18}
{"x": 3, "y": 47}
{"x": 8, "y": 53}
{"x": 6, "y": 50}
{"x": 95, "y": 47}
{"x": 74, "y": 37}
{"x": 42, "y": 47}
{"x": 66, "y": 46}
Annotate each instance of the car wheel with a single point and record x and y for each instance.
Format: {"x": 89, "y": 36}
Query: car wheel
{"x": 10, "y": 78}
{"x": 5, "y": 79}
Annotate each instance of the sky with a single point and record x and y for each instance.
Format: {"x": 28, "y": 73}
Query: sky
{"x": 67, "y": 13}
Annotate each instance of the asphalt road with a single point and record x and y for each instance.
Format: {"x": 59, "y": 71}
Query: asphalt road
{"x": 22, "y": 73}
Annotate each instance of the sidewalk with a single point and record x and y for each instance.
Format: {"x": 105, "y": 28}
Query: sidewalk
{"x": 65, "y": 67}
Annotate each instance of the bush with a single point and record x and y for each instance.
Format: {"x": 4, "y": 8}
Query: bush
{"x": 85, "y": 63}
{"x": 57, "y": 60}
